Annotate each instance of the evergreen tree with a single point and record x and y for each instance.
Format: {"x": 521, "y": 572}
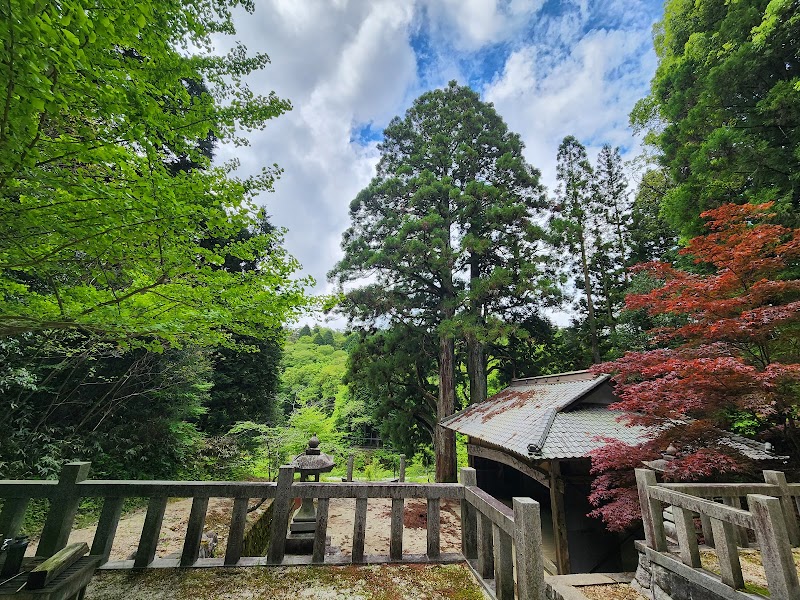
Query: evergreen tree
{"x": 452, "y": 194}
{"x": 573, "y": 222}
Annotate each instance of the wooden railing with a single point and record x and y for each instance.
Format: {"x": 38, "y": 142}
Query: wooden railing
{"x": 489, "y": 528}
{"x": 726, "y": 525}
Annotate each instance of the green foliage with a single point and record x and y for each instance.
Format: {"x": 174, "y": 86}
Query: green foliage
{"x": 101, "y": 233}
{"x": 724, "y": 108}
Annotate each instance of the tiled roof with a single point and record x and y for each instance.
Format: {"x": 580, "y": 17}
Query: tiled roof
{"x": 528, "y": 418}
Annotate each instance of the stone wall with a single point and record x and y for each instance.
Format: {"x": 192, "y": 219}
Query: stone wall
{"x": 256, "y": 535}
{"x": 660, "y": 582}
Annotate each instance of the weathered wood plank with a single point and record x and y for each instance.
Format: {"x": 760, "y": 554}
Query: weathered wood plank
{"x": 778, "y": 478}
{"x": 727, "y": 553}
{"x": 320, "y": 536}
{"x": 98, "y": 488}
{"x": 737, "y": 516}
{"x": 107, "y": 528}
{"x": 485, "y": 547}
{"x": 359, "y": 530}
{"x": 506, "y": 459}
{"x": 687, "y": 537}
{"x": 433, "y": 522}
{"x": 652, "y": 510}
{"x": 469, "y": 523}
{"x": 63, "y": 506}
{"x": 194, "y": 531}
{"x": 364, "y": 489}
{"x": 528, "y": 549}
{"x": 776, "y": 553}
{"x": 12, "y": 516}
{"x": 401, "y": 476}
{"x": 708, "y": 532}
{"x": 503, "y": 564}
{"x": 496, "y": 511}
{"x": 280, "y": 515}
{"x": 736, "y": 503}
{"x": 349, "y": 468}
{"x": 148, "y": 542}
{"x": 54, "y": 566}
{"x": 21, "y": 488}
{"x": 233, "y": 551}
{"x": 396, "y": 529}
{"x": 559, "y": 515}
{"x": 721, "y": 490}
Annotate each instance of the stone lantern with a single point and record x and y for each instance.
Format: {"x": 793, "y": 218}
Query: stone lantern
{"x": 310, "y": 465}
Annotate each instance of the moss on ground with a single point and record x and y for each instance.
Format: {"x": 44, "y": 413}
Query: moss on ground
{"x": 384, "y": 582}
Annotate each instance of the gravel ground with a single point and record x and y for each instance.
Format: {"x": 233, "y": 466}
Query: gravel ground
{"x": 385, "y": 582}
{"x": 618, "y": 591}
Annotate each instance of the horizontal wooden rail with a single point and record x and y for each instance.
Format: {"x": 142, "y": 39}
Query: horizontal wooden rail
{"x": 723, "y": 528}
{"x": 495, "y": 534}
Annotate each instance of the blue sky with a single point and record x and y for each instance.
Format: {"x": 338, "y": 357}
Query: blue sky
{"x": 552, "y": 68}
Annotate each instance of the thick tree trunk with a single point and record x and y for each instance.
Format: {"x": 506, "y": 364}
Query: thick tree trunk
{"x": 476, "y": 370}
{"x": 445, "y": 439}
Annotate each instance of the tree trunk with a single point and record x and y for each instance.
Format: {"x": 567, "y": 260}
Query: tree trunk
{"x": 445, "y": 439}
{"x": 476, "y": 369}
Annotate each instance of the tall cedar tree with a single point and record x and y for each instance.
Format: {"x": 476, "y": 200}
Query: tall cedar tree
{"x": 611, "y": 206}
{"x": 572, "y": 224}
{"x": 452, "y": 195}
{"x": 724, "y": 107}
{"x": 735, "y": 350}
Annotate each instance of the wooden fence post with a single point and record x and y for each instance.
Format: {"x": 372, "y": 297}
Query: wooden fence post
{"x": 349, "y": 476}
{"x": 469, "y": 521}
{"x": 485, "y": 547}
{"x": 280, "y": 515}
{"x": 528, "y": 549}
{"x": 776, "y": 553}
{"x": 233, "y": 550}
{"x": 779, "y": 478}
{"x": 503, "y": 564}
{"x": 12, "y": 516}
{"x": 63, "y": 506}
{"x": 396, "y": 529}
{"x": 107, "y": 528}
{"x": 652, "y": 511}
{"x": 402, "y": 474}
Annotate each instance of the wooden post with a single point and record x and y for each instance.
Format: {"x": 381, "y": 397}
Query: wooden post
{"x": 280, "y": 515}
{"x": 63, "y": 506}
{"x": 776, "y": 553}
{"x": 148, "y": 541}
{"x": 233, "y": 551}
{"x": 503, "y": 564}
{"x": 359, "y": 530}
{"x": 727, "y": 553}
{"x": 485, "y": 547}
{"x": 779, "y": 478}
{"x": 559, "y": 518}
{"x": 12, "y": 516}
{"x": 469, "y": 521}
{"x": 687, "y": 537}
{"x": 349, "y": 468}
{"x": 402, "y": 475}
{"x": 528, "y": 549}
{"x": 396, "y": 530}
{"x": 194, "y": 531}
{"x": 321, "y": 535}
{"x": 107, "y": 528}
{"x": 652, "y": 511}
{"x": 736, "y": 502}
{"x": 708, "y": 531}
{"x": 433, "y": 522}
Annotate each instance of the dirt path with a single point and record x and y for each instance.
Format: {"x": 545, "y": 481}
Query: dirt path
{"x": 340, "y": 527}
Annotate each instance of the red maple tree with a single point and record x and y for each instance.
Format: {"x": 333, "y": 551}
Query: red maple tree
{"x": 734, "y": 349}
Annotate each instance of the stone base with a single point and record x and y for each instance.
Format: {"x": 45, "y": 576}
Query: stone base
{"x": 302, "y": 543}
{"x": 303, "y": 526}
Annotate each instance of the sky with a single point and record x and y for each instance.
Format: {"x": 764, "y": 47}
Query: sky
{"x": 551, "y": 68}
